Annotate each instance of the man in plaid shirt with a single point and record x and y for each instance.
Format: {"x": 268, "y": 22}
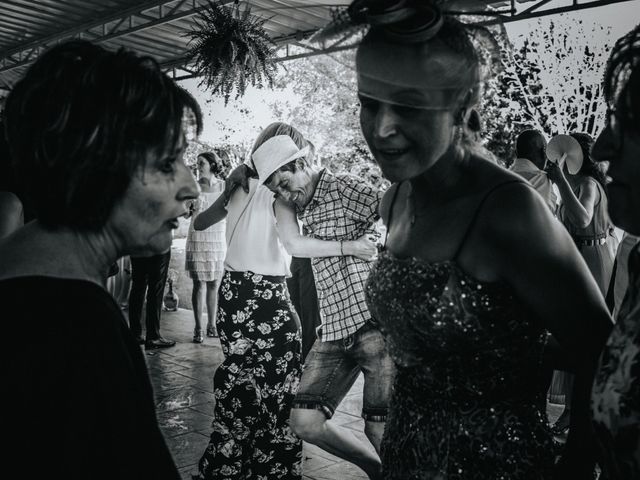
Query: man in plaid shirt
{"x": 343, "y": 209}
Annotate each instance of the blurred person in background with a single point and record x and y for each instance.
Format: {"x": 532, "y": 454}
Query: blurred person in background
{"x": 97, "y": 139}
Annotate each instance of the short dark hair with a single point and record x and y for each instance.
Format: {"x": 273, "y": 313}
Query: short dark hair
{"x": 218, "y": 162}
{"x": 530, "y": 141}
{"x": 81, "y": 123}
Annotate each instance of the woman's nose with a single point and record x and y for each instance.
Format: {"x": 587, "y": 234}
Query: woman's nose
{"x": 386, "y": 122}
{"x": 188, "y": 188}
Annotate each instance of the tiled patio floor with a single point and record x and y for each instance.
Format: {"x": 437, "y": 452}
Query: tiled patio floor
{"x": 182, "y": 379}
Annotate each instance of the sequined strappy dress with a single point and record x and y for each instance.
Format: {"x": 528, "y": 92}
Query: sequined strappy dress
{"x": 468, "y": 401}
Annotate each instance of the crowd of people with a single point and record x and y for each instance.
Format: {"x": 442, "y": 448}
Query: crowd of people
{"x": 486, "y": 287}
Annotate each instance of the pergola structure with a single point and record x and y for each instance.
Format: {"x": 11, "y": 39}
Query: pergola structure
{"x": 157, "y": 27}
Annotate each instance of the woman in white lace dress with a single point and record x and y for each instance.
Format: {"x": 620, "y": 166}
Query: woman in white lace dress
{"x": 206, "y": 249}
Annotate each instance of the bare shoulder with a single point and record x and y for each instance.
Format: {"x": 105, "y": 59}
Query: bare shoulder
{"x": 515, "y": 208}
{"x": 511, "y": 208}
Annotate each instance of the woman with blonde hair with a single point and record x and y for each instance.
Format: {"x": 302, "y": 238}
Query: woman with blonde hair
{"x": 462, "y": 290}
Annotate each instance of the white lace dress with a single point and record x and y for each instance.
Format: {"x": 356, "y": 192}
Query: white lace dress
{"x": 206, "y": 249}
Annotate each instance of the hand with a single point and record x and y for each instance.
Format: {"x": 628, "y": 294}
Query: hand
{"x": 238, "y": 177}
{"x": 554, "y": 172}
{"x": 191, "y": 209}
{"x": 364, "y": 248}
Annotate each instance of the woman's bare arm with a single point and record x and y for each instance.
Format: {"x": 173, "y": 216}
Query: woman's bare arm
{"x": 579, "y": 209}
{"x": 532, "y": 252}
{"x": 215, "y": 213}
{"x": 298, "y": 245}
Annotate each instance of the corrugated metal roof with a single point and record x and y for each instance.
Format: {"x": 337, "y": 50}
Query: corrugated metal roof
{"x": 27, "y": 27}
{"x": 157, "y": 27}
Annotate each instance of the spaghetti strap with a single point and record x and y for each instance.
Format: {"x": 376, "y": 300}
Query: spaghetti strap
{"x": 476, "y": 214}
{"x": 393, "y": 202}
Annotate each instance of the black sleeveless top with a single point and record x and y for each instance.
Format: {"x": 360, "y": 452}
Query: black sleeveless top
{"x": 468, "y": 402}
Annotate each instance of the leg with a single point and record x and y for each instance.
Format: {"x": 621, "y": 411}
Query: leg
{"x": 254, "y": 385}
{"x": 370, "y": 352}
{"x": 307, "y": 302}
{"x": 328, "y": 375}
{"x": 196, "y": 302}
{"x": 277, "y": 449}
{"x": 157, "y": 279}
{"x": 139, "y": 277}
{"x": 212, "y": 307}
{"x": 312, "y": 426}
{"x": 555, "y": 359}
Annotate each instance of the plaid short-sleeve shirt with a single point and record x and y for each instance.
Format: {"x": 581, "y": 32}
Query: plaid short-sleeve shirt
{"x": 343, "y": 207}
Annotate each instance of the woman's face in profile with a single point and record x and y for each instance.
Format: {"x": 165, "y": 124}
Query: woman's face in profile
{"x": 143, "y": 219}
{"x": 204, "y": 168}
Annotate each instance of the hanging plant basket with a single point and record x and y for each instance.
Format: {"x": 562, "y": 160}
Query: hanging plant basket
{"x": 230, "y": 50}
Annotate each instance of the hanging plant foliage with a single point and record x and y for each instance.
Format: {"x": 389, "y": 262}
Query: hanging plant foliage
{"x": 230, "y": 49}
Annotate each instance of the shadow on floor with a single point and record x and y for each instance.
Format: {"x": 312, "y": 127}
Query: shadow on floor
{"x": 182, "y": 377}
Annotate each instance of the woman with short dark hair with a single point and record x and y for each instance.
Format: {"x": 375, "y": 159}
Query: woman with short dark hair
{"x": 99, "y": 137}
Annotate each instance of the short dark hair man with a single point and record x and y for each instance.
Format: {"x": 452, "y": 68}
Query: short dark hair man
{"x": 531, "y": 159}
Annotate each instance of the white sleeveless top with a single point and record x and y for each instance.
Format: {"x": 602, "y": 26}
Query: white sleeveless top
{"x": 252, "y": 240}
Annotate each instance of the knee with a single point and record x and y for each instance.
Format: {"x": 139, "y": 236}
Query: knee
{"x": 307, "y": 424}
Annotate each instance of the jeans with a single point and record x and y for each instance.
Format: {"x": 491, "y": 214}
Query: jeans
{"x": 332, "y": 368}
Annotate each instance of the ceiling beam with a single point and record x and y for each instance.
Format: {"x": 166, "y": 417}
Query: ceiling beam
{"x": 133, "y": 21}
{"x": 535, "y": 12}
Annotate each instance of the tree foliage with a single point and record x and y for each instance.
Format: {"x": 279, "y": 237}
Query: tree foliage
{"x": 326, "y": 110}
{"x": 550, "y": 82}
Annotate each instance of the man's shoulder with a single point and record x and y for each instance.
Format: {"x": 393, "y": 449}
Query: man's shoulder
{"x": 522, "y": 163}
{"x": 349, "y": 181}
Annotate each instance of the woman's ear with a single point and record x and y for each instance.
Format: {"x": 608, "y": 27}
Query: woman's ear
{"x": 473, "y": 121}
{"x": 462, "y": 116}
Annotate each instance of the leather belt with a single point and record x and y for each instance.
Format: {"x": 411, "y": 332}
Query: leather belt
{"x": 591, "y": 242}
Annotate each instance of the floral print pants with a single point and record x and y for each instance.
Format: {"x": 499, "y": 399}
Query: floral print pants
{"x": 255, "y": 385}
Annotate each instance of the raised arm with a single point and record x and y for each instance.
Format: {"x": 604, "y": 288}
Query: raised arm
{"x": 534, "y": 254}
{"x": 298, "y": 245}
{"x": 239, "y": 177}
{"x": 579, "y": 209}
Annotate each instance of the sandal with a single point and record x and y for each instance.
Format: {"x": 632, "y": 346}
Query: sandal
{"x": 198, "y": 337}
{"x": 211, "y": 331}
